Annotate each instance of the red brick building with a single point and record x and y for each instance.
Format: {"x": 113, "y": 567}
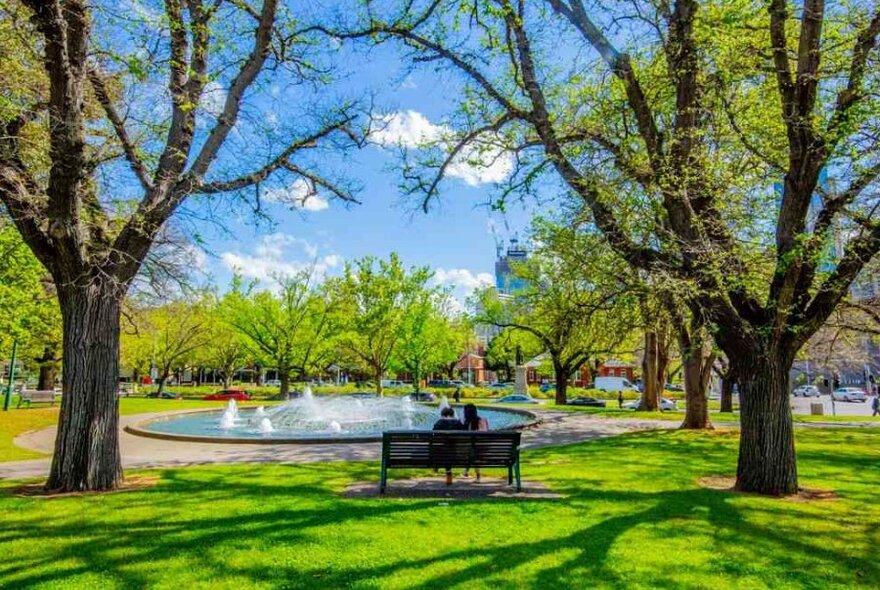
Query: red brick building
{"x": 540, "y": 369}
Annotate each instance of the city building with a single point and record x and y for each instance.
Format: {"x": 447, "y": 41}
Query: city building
{"x": 506, "y": 282}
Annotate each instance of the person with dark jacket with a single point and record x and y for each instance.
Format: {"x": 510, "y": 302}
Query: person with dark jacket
{"x": 473, "y": 421}
{"x": 620, "y": 399}
{"x": 448, "y": 421}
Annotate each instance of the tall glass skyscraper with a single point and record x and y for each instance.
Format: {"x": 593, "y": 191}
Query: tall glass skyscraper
{"x": 506, "y": 282}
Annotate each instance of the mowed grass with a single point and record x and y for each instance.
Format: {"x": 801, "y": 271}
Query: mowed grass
{"x": 20, "y": 420}
{"x": 633, "y": 517}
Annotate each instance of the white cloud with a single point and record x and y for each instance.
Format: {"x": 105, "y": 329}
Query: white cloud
{"x": 462, "y": 278}
{"x": 462, "y": 282}
{"x": 408, "y": 129}
{"x": 280, "y": 254}
{"x": 478, "y": 163}
{"x": 300, "y": 194}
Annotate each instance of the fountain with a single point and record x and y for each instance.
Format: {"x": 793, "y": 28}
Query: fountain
{"x": 338, "y": 417}
{"x": 230, "y": 415}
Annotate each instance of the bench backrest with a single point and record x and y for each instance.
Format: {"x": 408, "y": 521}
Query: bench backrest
{"x": 427, "y": 448}
{"x": 38, "y": 395}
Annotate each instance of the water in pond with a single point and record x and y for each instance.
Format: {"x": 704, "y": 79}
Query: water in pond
{"x": 320, "y": 417}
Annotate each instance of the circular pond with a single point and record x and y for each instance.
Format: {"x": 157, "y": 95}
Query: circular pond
{"x": 314, "y": 419}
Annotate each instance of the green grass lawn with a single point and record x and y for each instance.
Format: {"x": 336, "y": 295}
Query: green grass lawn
{"x": 633, "y": 517}
{"x": 21, "y": 420}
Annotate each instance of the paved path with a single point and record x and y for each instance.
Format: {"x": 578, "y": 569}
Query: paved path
{"x": 142, "y": 453}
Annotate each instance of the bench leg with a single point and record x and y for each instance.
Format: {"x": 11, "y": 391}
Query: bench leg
{"x": 510, "y": 475}
{"x": 383, "y": 479}
{"x": 518, "y": 480}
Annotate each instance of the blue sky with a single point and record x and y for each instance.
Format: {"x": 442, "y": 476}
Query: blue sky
{"x": 456, "y": 238}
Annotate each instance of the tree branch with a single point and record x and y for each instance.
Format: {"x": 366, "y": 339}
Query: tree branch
{"x": 128, "y": 146}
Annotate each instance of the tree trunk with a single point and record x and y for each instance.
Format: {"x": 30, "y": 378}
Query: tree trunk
{"x": 696, "y": 414}
{"x": 378, "y": 375}
{"x": 561, "y": 374}
{"x": 48, "y": 369}
{"x": 650, "y": 396}
{"x": 767, "y": 462}
{"x": 696, "y": 364}
{"x": 417, "y": 377}
{"x": 87, "y": 445}
{"x": 727, "y": 383}
{"x": 664, "y": 343}
{"x": 284, "y": 377}
{"x": 163, "y": 378}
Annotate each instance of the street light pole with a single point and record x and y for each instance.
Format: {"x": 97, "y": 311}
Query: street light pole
{"x": 11, "y": 377}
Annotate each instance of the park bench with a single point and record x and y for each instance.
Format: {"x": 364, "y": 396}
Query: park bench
{"x": 439, "y": 449}
{"x": 36, "y": 397}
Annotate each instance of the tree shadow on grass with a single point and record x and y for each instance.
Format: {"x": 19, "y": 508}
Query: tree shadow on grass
{"x": 210, "y": 517}
{"x": 587, "y": 549}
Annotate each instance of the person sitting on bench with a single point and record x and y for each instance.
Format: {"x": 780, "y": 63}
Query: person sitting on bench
{"x": 448, "y": 421}
{"x": 473, "y": 421}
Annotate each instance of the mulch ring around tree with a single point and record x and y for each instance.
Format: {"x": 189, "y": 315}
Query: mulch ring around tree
{"x": 130, "y": 484}
{"x": 461, "y": 489}
{"x": 726, "y": 484}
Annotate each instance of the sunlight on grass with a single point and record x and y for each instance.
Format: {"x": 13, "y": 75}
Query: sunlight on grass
{"x": 633, "y": 517}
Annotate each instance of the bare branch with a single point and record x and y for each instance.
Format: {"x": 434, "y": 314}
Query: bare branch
{"x": 128, "y": 146}
{"x": 245, "y": 77}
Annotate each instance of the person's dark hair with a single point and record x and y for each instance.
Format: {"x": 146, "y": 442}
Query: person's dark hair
{"x": 471, "y": 418}
{"x": 447, "y": 412}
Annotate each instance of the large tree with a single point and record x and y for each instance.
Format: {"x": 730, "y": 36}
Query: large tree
{"x": 376, "y": 297}
{"x": 169, "y": 336}
{"x": 431, "y": 336}
{"x": 697, "y": 134}
{"x": 170, "y": 89}
{"x": 571, "y": 304}
{"x": 291, "y": 330}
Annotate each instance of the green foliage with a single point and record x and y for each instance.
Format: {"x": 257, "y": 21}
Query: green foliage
{"x": 431, "y": 337}
{"x": 575, "y": 307}
{"x": 168, "y": 336}
{"x": 379, "y": 299}
{"x": 292, "y": 330}
{"x": 27, "y": 298}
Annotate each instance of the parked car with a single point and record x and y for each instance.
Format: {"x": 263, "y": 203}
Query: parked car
{"x": 227, "y": 394}
{"x": 587, "y": 401}
{"x": 806, "y": 391}
{"x": 673, "y": 387}
{"x": 614, "y": 384}
{"x": 499, "y": 385}
{"x": 392, "y": 383}
{"x": 165, "y": 395}
{"x": 422, "y": 396}
{"x": 439, "y": 383}
{"x": 517, "y": 398}
{"x": 545, "y": 387}
{"x": 666, "y": 404}
{"x": 273, "y": 383}
{"x": 849, "y": 394}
